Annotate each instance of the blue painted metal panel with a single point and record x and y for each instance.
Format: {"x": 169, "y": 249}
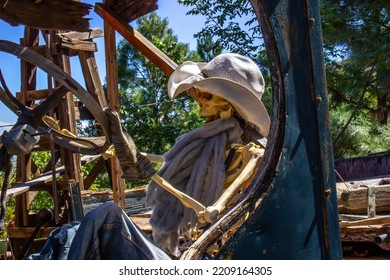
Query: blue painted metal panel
{"x": 298, "y": 217}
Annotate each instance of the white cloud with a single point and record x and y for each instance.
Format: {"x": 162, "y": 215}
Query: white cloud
{"x": 5, "y": 126}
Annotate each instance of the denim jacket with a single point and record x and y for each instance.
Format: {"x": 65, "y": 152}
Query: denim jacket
{"x": 105, "y": 233}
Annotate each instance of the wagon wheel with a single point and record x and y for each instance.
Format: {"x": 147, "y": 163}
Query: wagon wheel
{"x": 34, "y": 116}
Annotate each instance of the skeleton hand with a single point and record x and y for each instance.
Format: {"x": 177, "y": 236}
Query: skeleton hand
{"x": 248, "y": 160}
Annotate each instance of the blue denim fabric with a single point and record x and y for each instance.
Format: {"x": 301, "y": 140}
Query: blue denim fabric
{"x": 108, "y": 233}
{"x": 58, "y": 244}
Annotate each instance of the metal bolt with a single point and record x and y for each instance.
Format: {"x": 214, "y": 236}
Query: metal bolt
{"x": 311, "y": 22}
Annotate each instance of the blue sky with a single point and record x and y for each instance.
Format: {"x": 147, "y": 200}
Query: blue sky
{"x": 183, "y": 25}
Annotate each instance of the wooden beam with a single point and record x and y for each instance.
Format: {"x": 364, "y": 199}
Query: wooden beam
{"x": 355, "y": 200}
{"x": 380, "y": 220}
{"x": 92, "y": 77}
{"x": 26, "y": 232}
{"x": 69, "y": 36}
{"x": 133, "y": 9}
{"x": 362, "y": 233}
{"x": 53, "y": 14}
{"x": 32, "y": 95}
{"x": 79, "y": 45}
{"x": 150, "y": 51}
{"x": 23, "y": 167}
{"x": 115, "y": 172}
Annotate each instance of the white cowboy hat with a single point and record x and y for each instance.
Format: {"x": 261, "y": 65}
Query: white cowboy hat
{"x": 230, "y": 76}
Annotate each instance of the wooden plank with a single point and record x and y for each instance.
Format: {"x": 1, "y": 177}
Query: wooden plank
{"x": 67, "y": 117}
{"x": 93, "y": 33}
{"x": 23, "y": 167}
{"x": 92, "y": 77}
{"x": 80, "y": 46}
{"x": 133, "y": 9}
{"x": 53, "y": 14}
{"x": 381, "y": 220}
{"x": 355, "y": 200}
{"x": 150, "y": 51}
{"x": 113, "y": 102}
{"x": 26, "y": 232}
{"x": 361, "y": 233}
{"x": 32, "y": 95}
{"x": 142, "y": 221}
{"x": 39, "y": 49}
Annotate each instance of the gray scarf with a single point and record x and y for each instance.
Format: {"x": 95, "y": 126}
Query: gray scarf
{"x": 195, "y": 166}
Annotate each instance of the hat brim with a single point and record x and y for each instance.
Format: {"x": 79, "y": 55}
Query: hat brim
{"x": 246, "y": 104}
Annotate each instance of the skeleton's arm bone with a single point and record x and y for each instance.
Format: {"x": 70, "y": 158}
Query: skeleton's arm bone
{"x": 153, "y": 157}
{"x": 185, "y": 199}
{"x": 213, "y": 211}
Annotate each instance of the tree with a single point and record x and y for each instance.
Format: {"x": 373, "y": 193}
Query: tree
{"x": 231, "y": 24}
{"x": 207, "y": 48}
{"x": 149, "y": 116}
{"x": 356, "y": 36}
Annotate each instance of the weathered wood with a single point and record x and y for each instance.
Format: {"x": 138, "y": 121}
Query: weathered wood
{"x": 25, "y": 232}
{"x": 39, "y": 49}
{"x": 53, "y": 14}
{"x": 355, "y": 200}
{"x": 32, "y": 95}
{"x": 92, "y": 77}
{"x": 133, "y": 9}
{"x": 150, "y": 51}
{"x": 8, "y": 102}
{"x": 361, "y": 233}
{"x": 91, "y": 34}
{"x": 142, "y": 221}
{"x": 103, "y": 195}
{"x": 66, "y": 115}
{"x": 23, "y": 171}
{"x": 380, "y": 220}
{"x": 80, "y": 46}
{"x": 113, "y": 102}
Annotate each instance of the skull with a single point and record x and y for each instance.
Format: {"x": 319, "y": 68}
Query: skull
{"x": 211, "y": 106}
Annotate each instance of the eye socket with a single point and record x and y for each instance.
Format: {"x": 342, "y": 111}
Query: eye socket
{"x": 204, "y": 95}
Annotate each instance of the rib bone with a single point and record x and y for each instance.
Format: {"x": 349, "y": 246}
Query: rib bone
{"x": 252, "y": 157}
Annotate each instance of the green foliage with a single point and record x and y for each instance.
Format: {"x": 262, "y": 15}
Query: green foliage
{"x": 360, "y": 138}
{"x": 148, "y": 115}
{"x": 233, "y": 19}
{"x": 102, "y": 181}
{"x": 9, "y": 214}
{"x": 356, "y": 45}
{"x": 207, "y": 48}
{"x": 10, "y": 206}
{"x": 356, "y": 41}
{"x": 42, "y": 200}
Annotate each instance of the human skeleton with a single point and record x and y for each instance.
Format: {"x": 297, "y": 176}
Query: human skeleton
{"x": 231, "y": 168}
